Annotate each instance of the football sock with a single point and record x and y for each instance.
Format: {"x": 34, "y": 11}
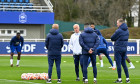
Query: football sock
{"x": 18, "y": 62}
{"x": 127, "y": 78}
{"x": 119, "y": 79}
{"x": 114, "y": 65}
{"x": 131, "y": 64}
{"x": 11, "y": 61}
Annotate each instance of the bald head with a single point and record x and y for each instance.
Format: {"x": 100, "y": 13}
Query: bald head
{"x": 76, "y": 28}
{"x": 55, "y": 26}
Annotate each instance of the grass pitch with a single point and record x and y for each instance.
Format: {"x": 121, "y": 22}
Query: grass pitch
{"x": 12, "y": 75}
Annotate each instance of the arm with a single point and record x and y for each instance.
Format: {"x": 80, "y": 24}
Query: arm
{"x": 22, "y": 42}
{"x": 105, "y": 42}
{"x": 115, "y": 36}
{"x": 96, "y": 43}
{"x": 11, "y": 42}
{"x": 99, "y": 33}
{"x": 62, "y": 41}
{"x": 47, "y": 41}
{"x": 81, "y": 42}
{"x": 70, "y": 43}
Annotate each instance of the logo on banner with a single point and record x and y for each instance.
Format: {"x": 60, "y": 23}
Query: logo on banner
{"x": 26, "y": 48}
{"x": 22, "y": 18}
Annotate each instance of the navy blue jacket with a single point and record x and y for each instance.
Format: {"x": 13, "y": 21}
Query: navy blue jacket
{"x": 54, "y": 42}
{"x": 121, "y": 37}
{"x": 16, "y": 42}
{"x": 88, "y": 39}
{"x": 103, "y": 43}
{"x": 97, "y": 31}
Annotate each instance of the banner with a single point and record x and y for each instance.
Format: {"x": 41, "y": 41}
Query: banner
{"x": 39, "y": 48}
{"x": 26, "y": 17}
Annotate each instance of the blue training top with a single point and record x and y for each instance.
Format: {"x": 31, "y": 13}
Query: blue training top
{"x": 103, "y": 42}
{"x": 16, "y": 42}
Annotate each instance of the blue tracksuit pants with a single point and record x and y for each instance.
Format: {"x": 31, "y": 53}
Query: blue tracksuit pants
{"x": 77, "y": 59}
{"x": 120, "y": 56}
{"x": 57, "y": 59}
{"x": 85, "y": 64}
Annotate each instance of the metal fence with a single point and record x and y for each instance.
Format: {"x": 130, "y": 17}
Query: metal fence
{"x": 27, "y": 8}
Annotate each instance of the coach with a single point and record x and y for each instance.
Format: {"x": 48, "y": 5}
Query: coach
{"x": 54, "y": 42}
{"x": 120, "y": 48}
{"x": 77, "y": 50}
{"x": 89, "y": 41}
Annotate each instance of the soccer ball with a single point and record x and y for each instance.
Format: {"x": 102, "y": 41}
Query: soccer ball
{"x": 29, "y": 76}
{"x": 37, "y": 76}
{"x": 34, "y": 76}
{"x": 24, "y": 76}
{"x": 43, "y": 76}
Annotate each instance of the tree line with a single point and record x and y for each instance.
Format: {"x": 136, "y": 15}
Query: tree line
{"x": 101, "y": 12}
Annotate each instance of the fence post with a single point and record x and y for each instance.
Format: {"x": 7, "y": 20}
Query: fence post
{"x": 138, "y": 44}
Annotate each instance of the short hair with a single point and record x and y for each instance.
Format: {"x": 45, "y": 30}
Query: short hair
{"x": 86, "y": 25}
{"x": 18, "y": 33}
{"x": 121, "y": 20}
{"x": 77, "y": 25}
{"x": 92, "y": 24}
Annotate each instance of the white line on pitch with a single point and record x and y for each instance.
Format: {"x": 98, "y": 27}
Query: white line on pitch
{"x": 18, "y": 81}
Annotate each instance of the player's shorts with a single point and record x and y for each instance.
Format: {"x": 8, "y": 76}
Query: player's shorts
{"x": 17, "y": 48}
{"x": 101, "y": 50}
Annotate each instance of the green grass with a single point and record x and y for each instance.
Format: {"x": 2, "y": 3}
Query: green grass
{"x": 12, "y": 75}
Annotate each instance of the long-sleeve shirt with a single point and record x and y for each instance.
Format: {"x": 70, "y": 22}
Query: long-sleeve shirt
{"x": 74, "y": 44}
{"x": 16, "y": 42}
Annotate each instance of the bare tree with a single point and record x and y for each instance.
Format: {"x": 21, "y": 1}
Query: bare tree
{"x": 101, "y": 12}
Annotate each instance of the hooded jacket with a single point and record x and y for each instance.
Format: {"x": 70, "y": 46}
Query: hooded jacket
{"x": 121, "y": 37}
{"x": 88, "y": 39}
{"x": 97, "y": 31}
{"x": 54, "y": 42}
{"x": 103, "y": 43}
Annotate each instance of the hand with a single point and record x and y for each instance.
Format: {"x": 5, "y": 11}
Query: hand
{"x": 90, "y": 51}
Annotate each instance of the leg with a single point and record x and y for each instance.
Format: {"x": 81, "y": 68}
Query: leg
{"x": 76, "y": 62}
{"x": 57, "y": 63}
{"x": 114, "y": 65}
{"x": 124, "y": 65}
{"x": 19, "y": 54}
{"x": 50, "y": 62}
{"x": 100, "y": 57}
{"x": 18, "y": 58}
{"x": 131, "y": 64}
{"x": 85, "y": 65}
{"x": 81, "y": 63}
{"x": 106, "y": 53}
{"x": 11, "y": 59}
{"x": 127, "y": 59}
{"x": 93, "y": 58}
{"x": 11, "y": 55}
{"x": 118, "y": 62}
{"x": 89, "y": 60}
{"x": 18, "y": 48}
